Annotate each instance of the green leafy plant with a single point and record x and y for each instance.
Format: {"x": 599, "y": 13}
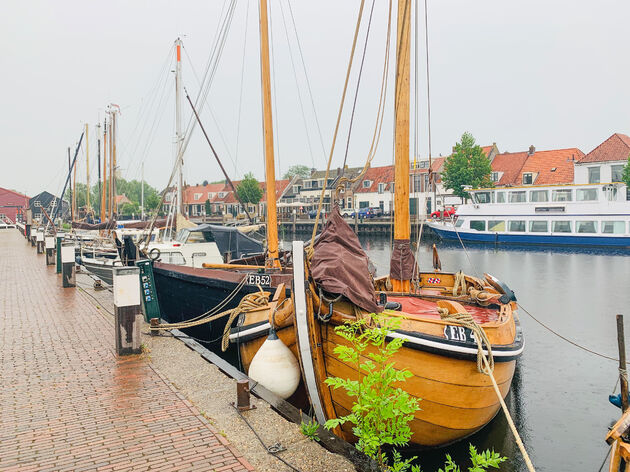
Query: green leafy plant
{"x": 480, "y": 461}
{"x": 381, "y": 412}
{"x": 310, "y": 430}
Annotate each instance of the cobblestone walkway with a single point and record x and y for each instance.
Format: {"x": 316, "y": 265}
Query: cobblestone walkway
{"x": 68, "y": 403}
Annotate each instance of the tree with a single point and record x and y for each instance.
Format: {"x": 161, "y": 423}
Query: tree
{"x": 625, "y": 177}
{"x": 468, "y": 165}
{"x": 300, "y": 170}
{"x": 249, "y": 190}
{"x": 129, "y": 209}
{"x": 208, "y": 207}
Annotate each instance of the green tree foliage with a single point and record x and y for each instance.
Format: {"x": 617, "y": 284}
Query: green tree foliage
{"x": 626, "y": 173}
{"x": 129, "y": 209}
{"x": 132, "y": 189}
{"x": 466, "y": 166}
{"x": 299, "y": 170}
{"x": 249, "y": 190}
{"x": 208, "y": 207}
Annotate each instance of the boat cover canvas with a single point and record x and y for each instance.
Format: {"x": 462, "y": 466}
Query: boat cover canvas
{"x": 402, "y": 262}
{"x": 340, "y": 266}
{"x": 96, "y": 226}
{"x": 231, "y": 240}
{"x": 160, "y": 223}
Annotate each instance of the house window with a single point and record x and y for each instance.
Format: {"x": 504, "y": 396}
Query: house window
{"x": 561, "y": 226}
{"x": 617, "y": 173}
{"x": 210, "y": 195}
{"x": 367, "y": 183}
{"x": 537, "y": 196}
{"x": 308, "y": 183}
{"x": 478, "y": 225}
{"x": 593, "y": 175}
{"x": 349, "y": 202}
{"x": 518, "y": 197}
{"x": 222, "y": 194}
{"x": 586, "y": 195}
{"x": 538, "y": 226}
{"x": 494, "y": 176}
{"x": 197, "y": 196}
{"x": 561, "y": 195}
{"x": 364, "y": 204}
{"x": 528, "y": 178}
{"x": 381, "y": 187}
{"x": 517, "y": 226}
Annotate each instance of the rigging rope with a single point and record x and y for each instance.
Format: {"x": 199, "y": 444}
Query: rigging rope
{"x": 485, "y": 365}
{"x": 332, "y": 147}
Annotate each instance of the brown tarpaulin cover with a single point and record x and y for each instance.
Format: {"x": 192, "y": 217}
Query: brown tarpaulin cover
{"x": 161, "y": 223}
{"x": 105, "y": 225}
{"x": 340, "y": 266}
{"x": 402, "y": 262}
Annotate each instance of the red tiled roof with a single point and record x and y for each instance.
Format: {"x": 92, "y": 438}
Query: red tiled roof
{"x": 376, "y": 175}
{"x": 510, "y": 164}
{"x": 120, "y": 199}
{"x": 281, "y": 185}
{"x": 543, "y": 162}
{"x": 486, "y": 150}
{"x": 189, "y": 192}
{"x": 615, "y": 148}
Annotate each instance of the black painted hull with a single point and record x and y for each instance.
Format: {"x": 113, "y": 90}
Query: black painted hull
{"x": 183, "y": 296}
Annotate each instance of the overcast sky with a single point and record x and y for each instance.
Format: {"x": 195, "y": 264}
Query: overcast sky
{"x": 549, "y": 73}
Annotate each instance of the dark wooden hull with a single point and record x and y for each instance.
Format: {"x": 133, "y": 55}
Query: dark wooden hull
{"x": 185, "y": 293}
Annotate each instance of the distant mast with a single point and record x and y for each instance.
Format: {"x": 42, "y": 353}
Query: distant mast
{"x": 105, "y": 186}
{"x": 87, "y": 171}
{"x": 272, "y": 225}
{"x": 178, "y": 125}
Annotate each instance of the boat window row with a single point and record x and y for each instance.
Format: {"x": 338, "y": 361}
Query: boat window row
{"x": 537, "y": 196}
{"x": 545, "y": 226}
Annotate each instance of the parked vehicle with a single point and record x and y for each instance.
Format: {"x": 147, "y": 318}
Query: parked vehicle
{"x": 313, "y": 213}
{"x": 348, "y": 213}
{"x": 447, "y": 212}
{"x": 370, "y": 212}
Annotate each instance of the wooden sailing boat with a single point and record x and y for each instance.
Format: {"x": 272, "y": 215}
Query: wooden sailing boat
{"x": 440, "y": 352}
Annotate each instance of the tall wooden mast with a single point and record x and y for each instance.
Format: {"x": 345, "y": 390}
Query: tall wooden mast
{"x": 105, "y": 186}
{"x": 272, "y": 224}
{"x": 178, "y": 125}
{"x": 87, "y": 171}
{"x": 401, "y": 152}
{"x": 114, "y": 132}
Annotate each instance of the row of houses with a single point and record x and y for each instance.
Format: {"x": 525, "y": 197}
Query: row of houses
{"x": 375, "y": 188}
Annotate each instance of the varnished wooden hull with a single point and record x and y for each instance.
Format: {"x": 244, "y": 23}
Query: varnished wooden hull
{"x": 456, "y": 400}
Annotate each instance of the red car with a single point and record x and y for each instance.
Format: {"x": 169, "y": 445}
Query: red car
{"x": 448, "y": 212}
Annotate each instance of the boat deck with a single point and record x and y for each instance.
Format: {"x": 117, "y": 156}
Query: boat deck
{"x": 428, "y": 309}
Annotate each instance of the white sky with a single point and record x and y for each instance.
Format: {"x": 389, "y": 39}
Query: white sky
{"x": 549, "y": 73}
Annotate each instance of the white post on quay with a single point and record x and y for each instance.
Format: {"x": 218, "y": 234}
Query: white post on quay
{"x": 127, "y": 310}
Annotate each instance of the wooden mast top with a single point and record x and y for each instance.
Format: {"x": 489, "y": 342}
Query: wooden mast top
{"x": 401, "y": 151}
{"x": 272, "y": 225}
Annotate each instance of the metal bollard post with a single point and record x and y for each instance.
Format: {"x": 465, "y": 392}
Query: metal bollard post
{"x": 127, "y": 310}
{"x": 39, "y": 239}
{"x": 68, "y": 277}
{"x": 50, "y": 250}
{"x": 243, "y": 401}
{"x": 59, "y": 240}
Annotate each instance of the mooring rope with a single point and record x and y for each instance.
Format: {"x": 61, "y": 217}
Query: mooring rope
{"x": 459, "y": 286}
{"x": 249, "y": 302}
{"x": 485, "y": 365}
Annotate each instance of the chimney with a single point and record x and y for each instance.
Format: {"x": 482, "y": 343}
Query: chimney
{"x": 532, "y": 150}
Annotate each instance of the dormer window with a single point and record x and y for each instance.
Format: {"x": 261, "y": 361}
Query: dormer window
{"x": 495, "y": 176}
{"x": 367, "y": 183}
{"x": 197, "y": 196}
{"x": 381, "y": 187}
{"x": 221, "y": 194}
{"x": 528, "y": 178}
{"x": 210, "y": 195}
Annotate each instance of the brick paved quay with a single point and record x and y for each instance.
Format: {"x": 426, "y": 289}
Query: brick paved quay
{"x": 68, "y": 403}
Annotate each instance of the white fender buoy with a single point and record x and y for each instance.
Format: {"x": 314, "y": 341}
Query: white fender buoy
{"x": 275, "y": 367}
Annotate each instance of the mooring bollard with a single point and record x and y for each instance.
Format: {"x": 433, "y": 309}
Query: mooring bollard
{"x": 59, "y": 240}
{"x": 68, "y": 277}
{"x": 127, "y": 310}
{"x": 39, "y": 239}
{"x": 50, "y": 250}
{"x": 243, "y": 401}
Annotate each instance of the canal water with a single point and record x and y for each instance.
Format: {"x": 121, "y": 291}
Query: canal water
{"x": 559, "y": 396}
